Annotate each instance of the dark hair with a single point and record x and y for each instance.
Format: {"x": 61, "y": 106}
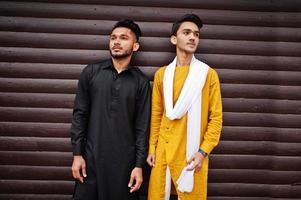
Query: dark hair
{"x": 186, "y": 18}
{"x": 128, "y": 23}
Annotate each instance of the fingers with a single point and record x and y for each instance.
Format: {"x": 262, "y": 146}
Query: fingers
{"x": 79, "y": 168}
{"x": 76, "y": 173}
{"x": 84, "y": 170}
{"x": 137, "y": 185}
{"x": 192, "y": 165}
{"x": 151, "y": 160}
{"x": 130, "y": 185}
{"x": 198, "y": 167}
{"x": 190, "y": 160}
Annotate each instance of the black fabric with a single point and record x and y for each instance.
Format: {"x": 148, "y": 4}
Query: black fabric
{"x": 110, "y": 126}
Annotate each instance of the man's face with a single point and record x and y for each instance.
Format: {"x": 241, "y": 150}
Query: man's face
{"x": 187, "y": 38}
{"x": 122, "y": 43}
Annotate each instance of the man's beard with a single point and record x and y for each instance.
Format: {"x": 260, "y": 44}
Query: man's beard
{"x": 121, "y": 56}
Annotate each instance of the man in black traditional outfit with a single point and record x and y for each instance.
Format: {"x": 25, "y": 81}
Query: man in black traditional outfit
{"x": 110, "y": 122}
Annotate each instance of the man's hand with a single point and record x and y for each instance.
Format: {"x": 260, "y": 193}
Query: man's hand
{"x": 196, "y": 161}
{"x": 151, "y": 160}
{"x": 79, "y": 168}
{"x": 137, "y": 178}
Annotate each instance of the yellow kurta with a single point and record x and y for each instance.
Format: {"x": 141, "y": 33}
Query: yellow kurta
{"x": 168, "y": 137}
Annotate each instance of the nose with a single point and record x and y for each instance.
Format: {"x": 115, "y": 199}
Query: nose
{"x": 192, "y": 37}
{"x": 116, "y": 41}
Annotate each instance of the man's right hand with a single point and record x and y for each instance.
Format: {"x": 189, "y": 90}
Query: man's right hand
{"x": 79, "y": 168}
{"x": 151, "y": 160}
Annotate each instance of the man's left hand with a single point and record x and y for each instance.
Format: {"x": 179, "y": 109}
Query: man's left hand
{"x": 196, "y": 161}
{"x": 137, "y": 178}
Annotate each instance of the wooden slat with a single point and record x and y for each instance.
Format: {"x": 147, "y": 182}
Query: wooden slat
{"x": 57, "y": 71}
{"x": 35, "y": 144}
{"x": 11, "y": 54}
{"x": 230, "y": 118}
{"x": 38, "y": 129}
{"x": 244, "y": 198}
{"x": 258, "y": 148}
{"x": 229, "y": 133}
{"x": 238, "y": 133}
{"x": 56, "y": 115}
{"x": 227, "y": 189}
{"x": 70, "y": 56}
{"x": 53, "y": 71}
{"x": 38, "y": 85}
{"x": 98, "y": 42}
{"x": 259, "y": 77}
{"x": 260, "y": 91}
{"x": 45, "y": 100}
{"x": 228, "y": 90}
{"x": 35, "y": 197}
{"x": 262, "y": 119}
{"x": 281, "y": 163}
{"x": 36, "y": 187}
{"x": 158, "y": 29}
{"x": 261, "y": 105}
{"x": 218, "y": 161}
{"x": 36, "y": 158}
{"x": 40, "y": 70}
{"x": 37, "y": 100}
{"x": 254, "y": 176}
{"x": 16, "y": 172}
{"x": 254, "y": 190}
{"x": 149, "y": 14}
{"x": 264, "y": 5}
{"x": 225, "y": 147}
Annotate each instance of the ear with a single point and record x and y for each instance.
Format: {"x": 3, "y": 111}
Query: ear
{"x": 173, "y": 40}
{"x": 136, "y": 46}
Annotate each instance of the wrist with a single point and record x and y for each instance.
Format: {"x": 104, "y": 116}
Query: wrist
{"x": 201, "y": 151}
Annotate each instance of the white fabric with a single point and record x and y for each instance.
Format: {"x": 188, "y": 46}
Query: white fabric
{"x": 189, "y": 102}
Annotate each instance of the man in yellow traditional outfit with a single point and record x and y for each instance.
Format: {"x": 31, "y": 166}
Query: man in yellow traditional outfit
{"x": 186, "y": 118}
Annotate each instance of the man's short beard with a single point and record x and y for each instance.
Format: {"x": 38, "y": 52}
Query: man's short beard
{"x": 121, "y": 56}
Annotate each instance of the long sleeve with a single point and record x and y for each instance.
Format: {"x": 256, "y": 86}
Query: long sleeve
{"x": 81, "y": 112}
{"x": 212, "y": 135}
{"x": 156, "y": 112}
{"x": 142, "y": 118}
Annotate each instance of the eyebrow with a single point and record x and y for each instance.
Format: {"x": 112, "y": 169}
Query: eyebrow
{"x": 187, "y": 29}
{"x": 121, "y": 35}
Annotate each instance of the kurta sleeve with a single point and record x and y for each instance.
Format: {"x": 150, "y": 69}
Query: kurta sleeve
{"x": 81, "y": 112}
{"x": 213, "y": 132}
{"x": 142, "y": 123}
{"x": 156, "y": 112}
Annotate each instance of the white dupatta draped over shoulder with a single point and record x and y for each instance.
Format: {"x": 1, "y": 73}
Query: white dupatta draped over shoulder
{"x": 190, "y": 102}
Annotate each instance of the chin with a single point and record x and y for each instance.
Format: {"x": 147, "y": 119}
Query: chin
{"x": 190, "y": 51}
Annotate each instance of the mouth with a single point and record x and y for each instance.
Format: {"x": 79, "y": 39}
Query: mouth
{"x": 116, "y": 48}
{"x": 191, "y": 44}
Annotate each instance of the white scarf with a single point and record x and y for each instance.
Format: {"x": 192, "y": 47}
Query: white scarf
{"x": 189, "y": 101}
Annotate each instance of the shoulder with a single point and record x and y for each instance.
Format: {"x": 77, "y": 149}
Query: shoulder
{"x": 212, "y": 76}
{"x": 94, "y": 68}
{"x": 160, "y": 73}
{"x": 139, "y": 74}
{"x": 213, "y": 72}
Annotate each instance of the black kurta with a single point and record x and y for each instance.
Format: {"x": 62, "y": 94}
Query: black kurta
{"x": 110, "y": 126}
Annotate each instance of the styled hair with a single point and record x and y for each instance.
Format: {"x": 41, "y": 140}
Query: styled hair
{"x": 186, "y": 18}
{"x": 128, "y": 23}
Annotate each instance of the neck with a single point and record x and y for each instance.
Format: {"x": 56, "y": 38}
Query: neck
{"x": 121, "y": 64}
{"x": 183, "y": 59}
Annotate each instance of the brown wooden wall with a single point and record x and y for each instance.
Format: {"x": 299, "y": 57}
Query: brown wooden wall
{"x": 254, "y": 45}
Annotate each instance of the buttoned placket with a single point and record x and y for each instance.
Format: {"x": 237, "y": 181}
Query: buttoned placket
{"x": 115, "y": 90}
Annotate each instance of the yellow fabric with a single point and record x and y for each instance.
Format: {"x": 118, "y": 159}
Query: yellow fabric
{"x": 168, "y": 137}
